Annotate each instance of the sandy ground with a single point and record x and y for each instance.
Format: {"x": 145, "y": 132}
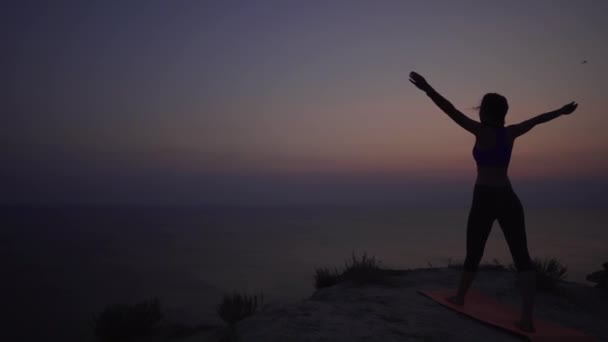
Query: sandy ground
{"x": 396, "y": 312}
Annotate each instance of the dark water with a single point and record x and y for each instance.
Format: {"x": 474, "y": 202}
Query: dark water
{"x": 61, "y": 265}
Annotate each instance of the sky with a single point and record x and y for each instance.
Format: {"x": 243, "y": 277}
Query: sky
{"x": 198, "y": 102}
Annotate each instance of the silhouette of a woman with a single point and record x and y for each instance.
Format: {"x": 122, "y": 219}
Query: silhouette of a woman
{"x": 493, "y": 196}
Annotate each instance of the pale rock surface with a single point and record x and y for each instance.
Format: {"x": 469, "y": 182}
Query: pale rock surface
{"x": 397, "y": 312}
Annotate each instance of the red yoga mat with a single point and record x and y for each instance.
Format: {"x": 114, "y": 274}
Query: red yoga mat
{"x": 490, "y": 311}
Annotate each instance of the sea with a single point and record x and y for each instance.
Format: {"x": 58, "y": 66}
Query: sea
{"x": 62, "y": 265}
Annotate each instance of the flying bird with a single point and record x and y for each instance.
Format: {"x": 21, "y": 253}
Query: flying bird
{"x": 584, "y": 62}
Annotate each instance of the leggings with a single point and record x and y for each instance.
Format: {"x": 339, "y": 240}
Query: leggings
{"x": 502, "y": 204}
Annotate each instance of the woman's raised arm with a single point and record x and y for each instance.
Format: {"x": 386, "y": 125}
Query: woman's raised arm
{"x": 445, "y": 105}
{"x": 525, "y": 126}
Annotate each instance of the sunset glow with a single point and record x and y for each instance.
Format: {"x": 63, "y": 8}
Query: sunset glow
{"x": 165, "y": 95}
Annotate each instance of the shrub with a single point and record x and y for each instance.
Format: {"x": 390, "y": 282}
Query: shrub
{"x": 600, "y": 277}
{"x": 234, "y": 307}
{"x": 549, "y": 272}
{"x": 362, "y": 271}
{"x": 128, "y": 322}
{"x": 324, "y": 277}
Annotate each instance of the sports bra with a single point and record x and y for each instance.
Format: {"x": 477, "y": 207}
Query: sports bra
{"x": 499, "y": 155}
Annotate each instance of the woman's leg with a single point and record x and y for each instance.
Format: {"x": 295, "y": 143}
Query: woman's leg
{"x": 479, "y": 226}
{"x": 466, "y": 279}
{"x": 527, "y": 284}
{"x": 512, "y": 222}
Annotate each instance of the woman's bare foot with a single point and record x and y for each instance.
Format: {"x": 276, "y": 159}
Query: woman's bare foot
{"x": 456, "y": 300}
{"x": 526, "y": 325}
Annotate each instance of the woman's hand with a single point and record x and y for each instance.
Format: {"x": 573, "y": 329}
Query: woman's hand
{"x": 419, "y": 81}
{"x": 569, "y": 108}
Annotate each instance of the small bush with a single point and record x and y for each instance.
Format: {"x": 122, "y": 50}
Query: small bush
{"x": 549, "y": 272}
{"x": 362, "y": 271}
{"x": 236, "y": 306}
{"x": 324, "y": 277}
{"x": 600, "y": 277}
{"x": 128, "y": 322}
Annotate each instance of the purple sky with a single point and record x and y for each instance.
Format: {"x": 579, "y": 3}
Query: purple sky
{"x": 187, "y": 102}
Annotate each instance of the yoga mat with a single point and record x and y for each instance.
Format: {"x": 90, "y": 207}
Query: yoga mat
{"x": 490, "y": 311}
